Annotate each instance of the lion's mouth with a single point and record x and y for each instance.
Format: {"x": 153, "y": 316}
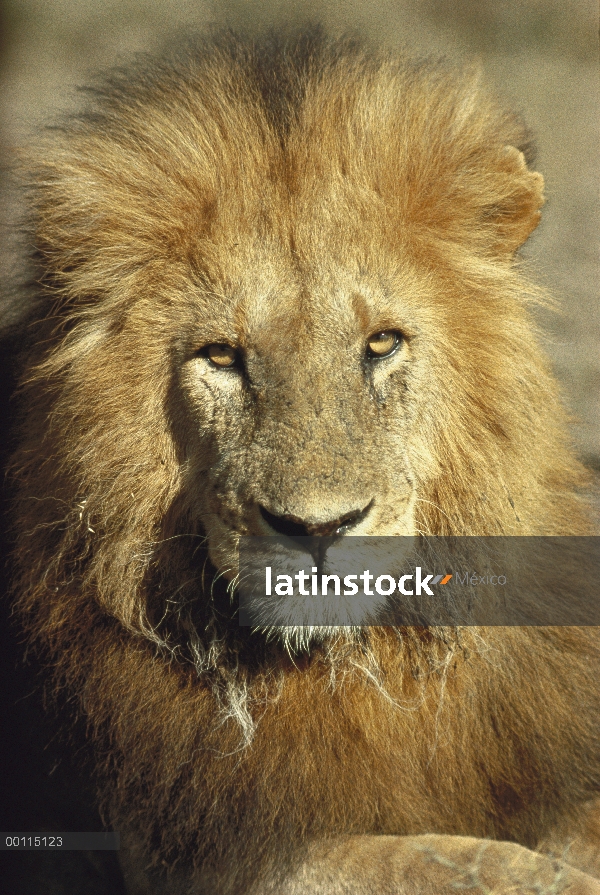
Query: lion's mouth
{"x": 315, "y": 538}
{"x": 293, "y": 527}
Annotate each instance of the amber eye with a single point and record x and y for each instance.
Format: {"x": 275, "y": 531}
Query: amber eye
{"x": 221, "y": 355}
{"x": 383, "y": 344}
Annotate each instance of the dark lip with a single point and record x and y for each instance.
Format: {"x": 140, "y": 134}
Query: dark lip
{"x": 295, "y": 536}
{"x": 293, "y": 527}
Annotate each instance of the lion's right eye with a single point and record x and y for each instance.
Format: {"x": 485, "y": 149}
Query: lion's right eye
{"x": 221, "y": 355}
{"x": 383, "y": 344}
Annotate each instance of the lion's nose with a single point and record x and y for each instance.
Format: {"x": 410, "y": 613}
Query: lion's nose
{"x": 294, "y": 527}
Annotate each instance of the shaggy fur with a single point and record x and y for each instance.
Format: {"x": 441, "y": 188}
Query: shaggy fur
{"x": 291, "y": 198}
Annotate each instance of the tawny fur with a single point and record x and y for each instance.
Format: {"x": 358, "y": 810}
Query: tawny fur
{"x": 290, "y": 202}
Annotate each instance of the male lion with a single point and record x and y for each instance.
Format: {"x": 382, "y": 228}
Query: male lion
{"x": 277, "y": 292}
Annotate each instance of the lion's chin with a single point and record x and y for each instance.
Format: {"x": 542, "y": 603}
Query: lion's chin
{"x": 313, "y": 587}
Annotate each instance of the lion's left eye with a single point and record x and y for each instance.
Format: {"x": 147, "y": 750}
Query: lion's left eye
{"x": 383, "y": 344}
{"x": 220, "y": 354}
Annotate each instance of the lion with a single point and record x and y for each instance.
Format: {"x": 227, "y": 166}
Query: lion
{"x": 278, "y": 292}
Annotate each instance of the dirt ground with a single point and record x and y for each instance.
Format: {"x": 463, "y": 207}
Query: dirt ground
{"x": 541, "y": 55}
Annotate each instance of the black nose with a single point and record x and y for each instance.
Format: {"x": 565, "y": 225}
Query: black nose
{"x": 293, "y": 527}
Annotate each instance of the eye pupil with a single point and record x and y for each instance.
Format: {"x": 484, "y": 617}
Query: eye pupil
{"x": 221, "y": 355}
{"x": 383, "y": 344}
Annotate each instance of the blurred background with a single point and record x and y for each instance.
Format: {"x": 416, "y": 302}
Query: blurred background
{"x": 541, "y": 56}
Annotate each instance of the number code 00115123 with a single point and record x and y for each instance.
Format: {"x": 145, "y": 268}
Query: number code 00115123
{"x": 62, "y": 841}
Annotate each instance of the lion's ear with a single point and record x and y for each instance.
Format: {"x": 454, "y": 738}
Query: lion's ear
{"x": 518, "y": 213}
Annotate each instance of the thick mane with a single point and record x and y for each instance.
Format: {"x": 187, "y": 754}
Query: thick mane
{"x": 200, "y": 721}
{"x": 122, "y": 229}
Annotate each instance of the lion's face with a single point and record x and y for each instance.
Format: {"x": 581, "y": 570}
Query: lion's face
{"x": 298, "y": 397}
{"x": 308, "y": 366}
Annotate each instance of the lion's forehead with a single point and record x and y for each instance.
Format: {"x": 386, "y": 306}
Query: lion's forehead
{"x": 268, "y": 297}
